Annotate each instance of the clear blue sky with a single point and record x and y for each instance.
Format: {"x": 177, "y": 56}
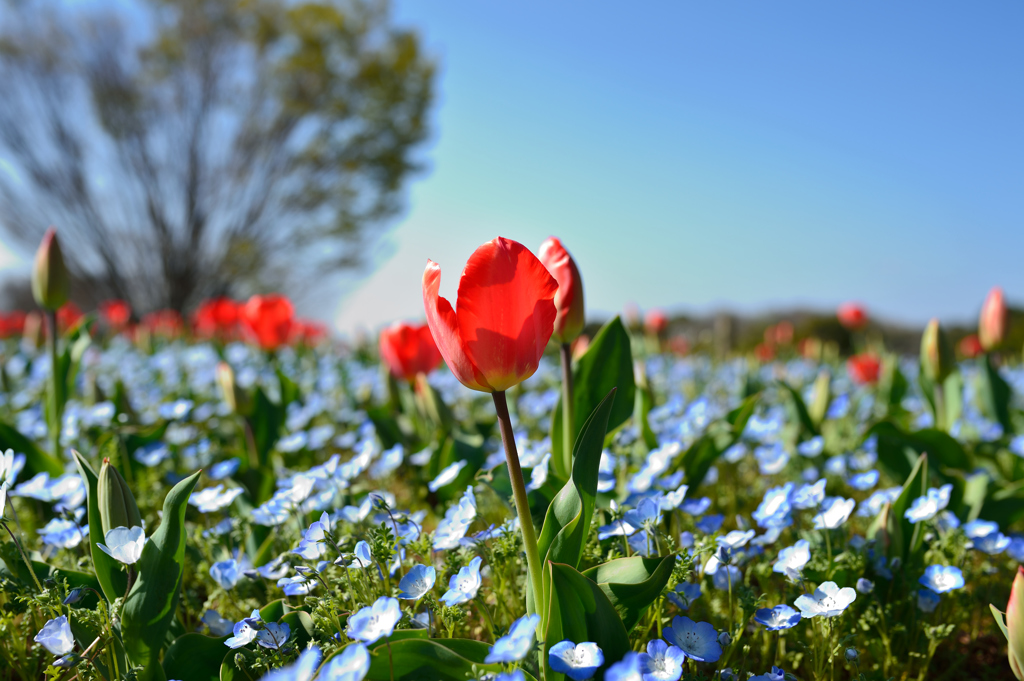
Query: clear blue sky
{"x": 750, "y": 155}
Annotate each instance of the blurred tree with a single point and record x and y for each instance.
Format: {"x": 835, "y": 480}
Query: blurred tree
{"x": 186, "y": 148}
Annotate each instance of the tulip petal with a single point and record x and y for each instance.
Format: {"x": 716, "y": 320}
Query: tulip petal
{"x": 444, "y": 327}
{"x": 506, "y": 312}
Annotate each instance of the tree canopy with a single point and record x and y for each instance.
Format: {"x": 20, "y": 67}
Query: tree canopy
{"x": 187, "y": 148}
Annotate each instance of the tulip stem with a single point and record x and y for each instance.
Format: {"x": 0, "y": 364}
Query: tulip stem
{"x": 55, "y": 416}
{"x": 568, "y": 407}
{"x": 515, "y": 474}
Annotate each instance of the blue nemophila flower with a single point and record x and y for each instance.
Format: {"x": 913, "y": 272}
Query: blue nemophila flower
{"x": 927, "y": 600}
{"x": 726, "y": 576}
{"x": 375, "y": 621}
{"x": 685, "y": 594}
{"x": 942, "y": 578}
{"x": 577, "y": 661}
{"x": 224, "y": 469}
{"x": 695, "y": 507}
{"x": 661, "y": 662}
{"x": 834, "y": 514}
{"x": 3, "y": 498}
{"x": 862, "y": 482}
{"x": 993, "y": 543}
{"x": 811, "y": 448}
{"x": 735, "y": 539}
{"x": 63, "y": 533}
{"x": 463, "y": 586}
{"x": 626, "y": 669}
{"x": 775, "y": 507}
{"x": 980, "y": 528}
{"x": 710, "y": 524}
{"x": 351, "y": 664}
{"x": 447, "y": 475}
{"x": 809, "y": 496}
{"x": 213, "y": 498}
{"x": 302, "y": 669}
{"x": 865, "y": 586}
{"x": 872, "y": 506}
{"x": 56, "y": 636}
{"x": 792, "y": 559}
{"x": 928, "y": 506}
{"x": 219, "y": 626}
{"x": 361, "y": 556}
{"x": 1016, "y": 549}
{"x": 775, "y": 674}
{"x": 646, "y": 514}
{"x": 417, "y": 581}
{"x": 771, "y": 459}
{"x": 777, "y": 618}
{"x": 244, "y": 632}
{"x": 828, "y": 600}
{"x": 273, "y": 635}
{"x": 123, "y": 544}
{"x": 519, "y": 640}
{"x": 227, "y": 573}
{"x": 698, "y": 640}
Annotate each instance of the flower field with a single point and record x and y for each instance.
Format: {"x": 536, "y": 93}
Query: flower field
{"x": 495, "y": 495}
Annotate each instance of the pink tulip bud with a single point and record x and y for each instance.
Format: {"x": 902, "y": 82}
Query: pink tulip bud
{"x": 569, "y": 319}
{"x": 49, "y": 276}
{"x": 1015, "y": 625}
{"x": 992, "y": 324}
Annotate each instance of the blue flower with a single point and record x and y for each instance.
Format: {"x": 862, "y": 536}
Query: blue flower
{"x": 777, "y": 618}
{"x": 351, "y": 664}
{"x": 726, "y": 576}
{"x": 577, "y": 661}
{"x": 865, "y": 586}
{"x": 626, "y": 669}
{"x": 941, "y": 578}
{"x": 301, "y": 670}
{"x": 864, "y": 481}
{"x": 213, "y": 498}
{"x": 811, "y": 448}
{"x": 834, "y": 514}
{"x": 928, "y": 506}
{"x": 417, "y": 581}
{"x": 809, "y": 496}
{"x": 273, "y": 635}
{"x": 993, "y": 543}
{"x": 710, "y": 524}
{"x": 375, "y": 621}
{"x": 463, "y": 586}
{"x": 685, "y": 594}
{"x": 642, "y": 543}
{"x": 771, "y": 459}
{"x": 828, "y": 600}
{"x": 735, "y": 539}
{"x": 927, "y": 600}
{"x": 774, "y": 509}
{"x": 244, "y": 631}
{"x": 447, "y": 476}
{"x": 792, "y": 560}
{"x": 698, "y": 640}
{"x": 514, "y": 645}
{"x": 695, "y": 507}
{"x": 224, "y": 469}
{"x": 662, "y": 662}
{"x": 980, "y": 528}
{"x": 775, "y": 674}
{"x": 56, "y": 636}
{"x": 646, "y": 514}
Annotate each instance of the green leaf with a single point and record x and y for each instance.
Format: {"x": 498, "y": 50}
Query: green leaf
{"x": 36, "y": 460}
{"x": 904, "y": 542}
{"x": 995, "y": 394}
{"x": 632, "y": 584}
{"x": 419, "y": 659}
{"x": 579, "y": 610}
{"x": 607, "y": 364}
{"x": 267, "y": 420}
{"x": 195, "y": 656}
{"x": 150, "y": 605}
{"x": 1000, "y": 617}
{"x": 738, "y": 417}
{"x": 800, "y": 408}
{"x": 229, "y": 671}
{"x": 697, "y": 460}
{"x": 85, "y": 634}
{"x": 567, "y": 522}
{"x": 301, "y": 625}
{"x": 113, "y": 580}
{"x": 457, "y": 447}
{"x": 897, "y": 450}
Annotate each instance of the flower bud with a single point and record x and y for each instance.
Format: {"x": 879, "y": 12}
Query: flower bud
{"x": 74, "y": 595}
{"x": 937, "y": 358}
{"x": 116, "y": 502}
{"x": 569, "y": 318}
{"x": 236, "y": 398}
{"x": 49, "y": 276}
{"x": 852, "y": 655}
{"x": 1015, "y": 625}
{"x": 852, "y": 316}
{"x": 992, "y": 324}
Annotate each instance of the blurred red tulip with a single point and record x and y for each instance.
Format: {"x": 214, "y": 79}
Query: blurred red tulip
{"x": 655, "y": 321}
{"x": 810, "y": 348}
{"x": 267, "y": 320}
{"x": 864, "y": 368}
{"x": 569, "y": 320}
{"x": 308, "y": 332}
{"x": 970, "y": 346}
{"x": 409, "y": 350}
{"x": 164, "y": 323}
{"x": 992, "y": 324}
{"x": 784, "y": 333}
{"x": 68, "y": 315}
{"x": 116, "y": 313}
{"x": 12, "y": 324}
{"x": 580, "y": 345}
{"x": 506, "y": 314}
{"x": 679, "y": 345}
{"x": 764, "y": 352}
{"x": 852, "y": 316}
{"x": 216, "y": 317}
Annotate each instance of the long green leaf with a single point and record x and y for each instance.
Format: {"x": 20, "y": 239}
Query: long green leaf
{"x": 632, "y": 584}
{"x": 36, "y": 460}
{"x": 109, "y": 574}
{"x": 903, "y": 542}
{"x": 195, "y": 656}
{"x": 607, "y": 364}
{"x": 150, "y": 605}
{"x": 419, "y": 659}
{"x": 578, "y": 610}
{"x": 800, "y": 408}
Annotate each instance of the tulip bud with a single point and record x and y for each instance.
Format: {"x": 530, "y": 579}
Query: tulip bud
{"x": 992, "y": 324}
{"x": 49, "y": 276}
{"x": 569, "y": 319}
{"x": 236, "y": 398}
{"x": 116, "y": 501}
{"x": 937, "y": 358}
{"x": 1015, "y": 625}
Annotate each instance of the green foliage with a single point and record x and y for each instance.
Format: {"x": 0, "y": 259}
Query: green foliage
{"x": 632, "y": 584}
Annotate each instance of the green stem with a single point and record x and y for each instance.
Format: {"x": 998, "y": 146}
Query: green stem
{"x": 568, "y": 417}
{"x": 24, "y": 557}
{"x": 51, "y": 346}
{"x": 515, "y": 474}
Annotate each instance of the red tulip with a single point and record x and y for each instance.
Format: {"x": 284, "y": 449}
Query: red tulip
{"x": 505, "y": 316}
{"x": 655, "y": 321}
{"x": 569, "y": 319}
{"x": 216, "y": 317}
{"x": 992, "y": 325}
{"x": 864, "y": 368}
{"x": 12, "y": 324}
{"x": 764, "y": 352}
{"x": 165, "y": 323}
{"x": 970, "y": 346}
{"x": 409, "y": 350}
{"x": 68, "y": 315}
{"x": 267, "y": 320}
{"x": 852, "y": 316}
{"x": 116, "y": 312}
